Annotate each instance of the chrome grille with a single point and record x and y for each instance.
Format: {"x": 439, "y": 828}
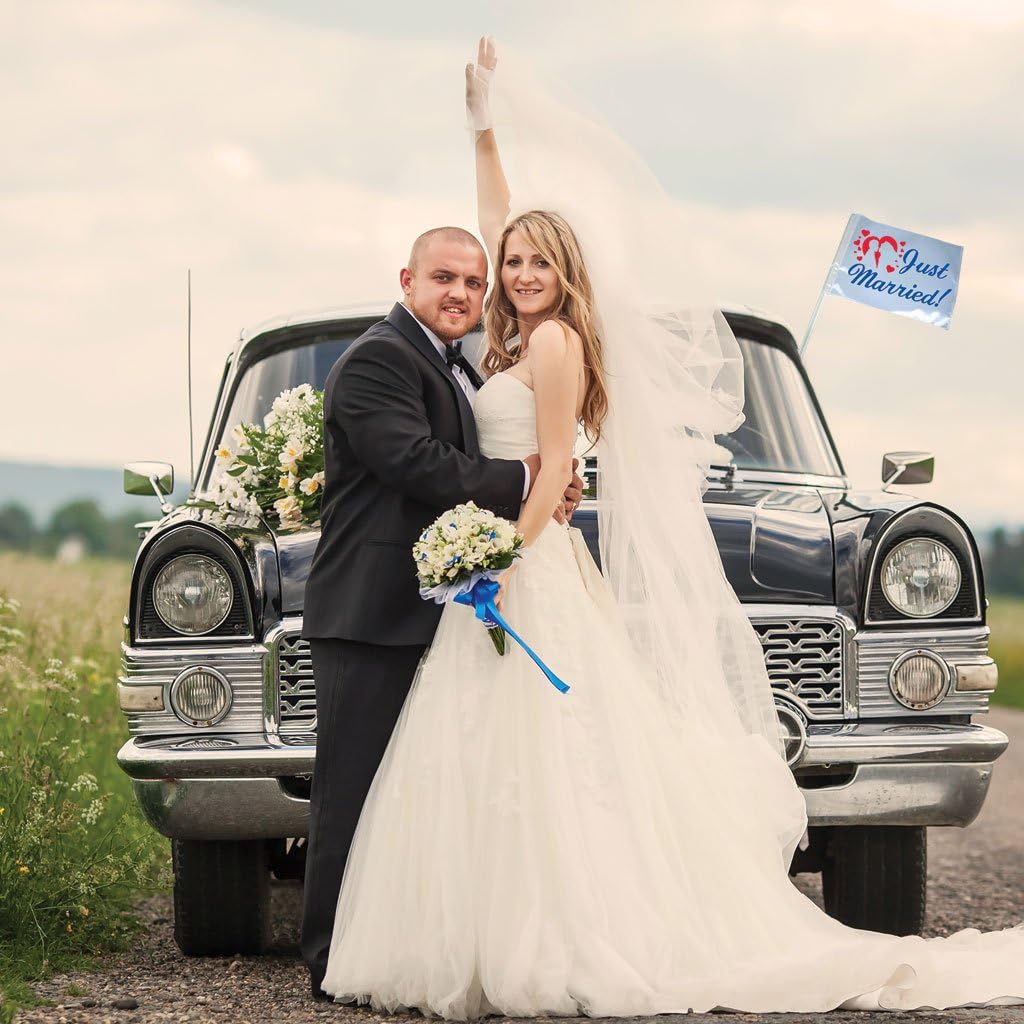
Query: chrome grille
{"x": 804, "y": 658}
{"x": 296, "y": 692}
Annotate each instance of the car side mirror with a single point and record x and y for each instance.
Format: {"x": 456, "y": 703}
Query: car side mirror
{"x": 907, "y": 468}
{"x": 150, "y": 478}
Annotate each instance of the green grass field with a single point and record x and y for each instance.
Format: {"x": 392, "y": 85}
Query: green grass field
{"x": 1006, "y": 619}
{"x": 74, "y": 850}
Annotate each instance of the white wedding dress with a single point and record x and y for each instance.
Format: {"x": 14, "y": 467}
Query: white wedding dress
{"x": 527, "y": 852}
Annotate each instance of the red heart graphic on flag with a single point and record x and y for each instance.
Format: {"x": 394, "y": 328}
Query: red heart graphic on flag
{"x": 889, "y": 267}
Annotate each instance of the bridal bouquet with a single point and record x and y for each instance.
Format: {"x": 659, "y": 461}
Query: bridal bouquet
{"x": 457, "y": 559}
{"x": 277, "y": 469}
{"x": 460, "y": 548}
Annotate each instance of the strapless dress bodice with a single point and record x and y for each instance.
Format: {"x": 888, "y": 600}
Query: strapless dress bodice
{"x": 506, "y": 418}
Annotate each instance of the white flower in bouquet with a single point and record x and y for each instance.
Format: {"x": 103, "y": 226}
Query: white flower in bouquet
{"x": 238, "y": 433}
{"x": 289, "y": 457}
{"x": 287, "y": 507}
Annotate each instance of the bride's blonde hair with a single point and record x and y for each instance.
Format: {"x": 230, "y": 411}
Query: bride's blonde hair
{"x": 550, "y": 234}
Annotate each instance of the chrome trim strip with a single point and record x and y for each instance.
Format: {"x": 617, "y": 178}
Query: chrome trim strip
{"x": 968, "y": 551}
{"x": 794, "y": 478}
{"x": 229, "y": 641}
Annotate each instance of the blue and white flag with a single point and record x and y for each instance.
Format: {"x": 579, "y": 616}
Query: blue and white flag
{"x": 898, "y": 271}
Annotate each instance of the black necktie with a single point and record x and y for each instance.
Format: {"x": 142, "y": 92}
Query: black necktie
{"x": 453, "y": 357}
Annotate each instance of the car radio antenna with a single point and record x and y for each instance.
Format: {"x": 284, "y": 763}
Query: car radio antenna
{"x": 188, "y": 360}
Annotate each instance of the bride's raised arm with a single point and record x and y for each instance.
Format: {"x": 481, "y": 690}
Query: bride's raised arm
{"x": 492, "y": 194}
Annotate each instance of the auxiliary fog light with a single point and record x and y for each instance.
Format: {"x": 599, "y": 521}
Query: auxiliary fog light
{"x": 200, "y": 696}
{"x": 794, "y": 731}
{"x": 919, "y": 679}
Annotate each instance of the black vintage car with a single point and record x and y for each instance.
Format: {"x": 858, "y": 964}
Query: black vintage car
{"x": 870, "y": 607}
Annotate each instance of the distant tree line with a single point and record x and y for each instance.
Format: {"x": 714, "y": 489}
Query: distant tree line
{"x": 1004, "y": 562}
{"x": 78, "y": 522}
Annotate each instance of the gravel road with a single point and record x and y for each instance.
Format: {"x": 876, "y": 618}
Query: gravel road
{"x": 976, "y": 879}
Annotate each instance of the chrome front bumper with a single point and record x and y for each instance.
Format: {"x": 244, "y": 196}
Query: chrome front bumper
{"x": 864, "y": 773}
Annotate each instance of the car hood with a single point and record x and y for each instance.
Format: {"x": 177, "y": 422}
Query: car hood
{"x": 776, "y": 546}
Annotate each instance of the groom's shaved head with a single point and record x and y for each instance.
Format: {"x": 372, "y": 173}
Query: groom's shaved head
{"x": 447, "y": 234}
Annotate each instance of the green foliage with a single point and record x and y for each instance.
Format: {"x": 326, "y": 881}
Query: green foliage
{"x": 1006, "y": 619}
{"x": 16, "y": 527}
{"x": 75, "y": 851}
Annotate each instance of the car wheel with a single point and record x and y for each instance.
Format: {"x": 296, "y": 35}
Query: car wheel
{"x": 876, "y": 877}
{"x": 221, "y": 896}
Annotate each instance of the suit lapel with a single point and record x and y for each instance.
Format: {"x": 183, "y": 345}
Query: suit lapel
{"x": 402, "y": 320}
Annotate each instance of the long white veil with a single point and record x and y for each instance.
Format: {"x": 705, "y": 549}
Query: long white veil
{"x": 675, "y": 380}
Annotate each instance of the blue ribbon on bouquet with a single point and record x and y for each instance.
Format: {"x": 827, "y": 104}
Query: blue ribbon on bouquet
{"x": 481, "y": 599}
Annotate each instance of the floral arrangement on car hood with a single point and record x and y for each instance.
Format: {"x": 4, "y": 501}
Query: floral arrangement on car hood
{"x": 277, "y": 470}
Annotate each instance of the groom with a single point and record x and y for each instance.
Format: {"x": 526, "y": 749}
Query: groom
{"x": 400, "y": 447}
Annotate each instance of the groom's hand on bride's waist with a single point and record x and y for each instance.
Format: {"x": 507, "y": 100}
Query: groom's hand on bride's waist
{"x": 573, "y": 493}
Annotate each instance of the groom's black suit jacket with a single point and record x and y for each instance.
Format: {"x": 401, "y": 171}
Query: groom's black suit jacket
{"x": 400, "y": 447}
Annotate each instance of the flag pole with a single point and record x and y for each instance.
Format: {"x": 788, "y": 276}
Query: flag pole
{"x": 843, "y": 242}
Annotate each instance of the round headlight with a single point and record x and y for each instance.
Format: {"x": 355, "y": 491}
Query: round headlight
{"x": 920, "y": 577}
{"x": 919, "y": 679}
{"x": 192, "y": 594}
{"x": 200, "y": 696}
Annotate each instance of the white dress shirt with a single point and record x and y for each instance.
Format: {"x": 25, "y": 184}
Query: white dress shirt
{"x": 463, "y": 381}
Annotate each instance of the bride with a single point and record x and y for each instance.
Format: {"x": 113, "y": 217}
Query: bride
{"x": 621, "y": 849}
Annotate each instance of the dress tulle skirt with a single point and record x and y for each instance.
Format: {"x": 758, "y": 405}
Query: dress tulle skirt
{"x": 525, "y": 852}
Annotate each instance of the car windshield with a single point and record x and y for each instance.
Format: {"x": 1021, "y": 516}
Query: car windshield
{"x": 782, "y": 430}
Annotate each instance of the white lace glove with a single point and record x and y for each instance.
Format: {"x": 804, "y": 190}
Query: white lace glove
{"x": 478, "y": 85}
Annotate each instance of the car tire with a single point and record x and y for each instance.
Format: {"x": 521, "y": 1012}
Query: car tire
{"x": 221, "y": 896}
{"x": 876, "y": 877}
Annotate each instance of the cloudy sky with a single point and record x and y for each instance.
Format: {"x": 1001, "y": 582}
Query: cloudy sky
{"x": 288, "y": 153}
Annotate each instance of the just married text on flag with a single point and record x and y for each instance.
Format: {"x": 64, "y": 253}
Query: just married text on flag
{"x": 897, "y": 271}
